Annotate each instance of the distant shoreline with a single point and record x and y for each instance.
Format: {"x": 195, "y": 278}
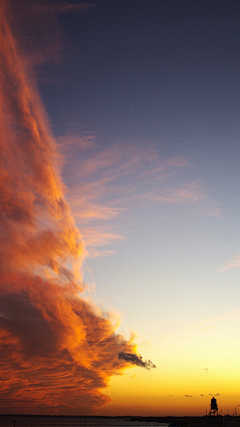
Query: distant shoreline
{"x": 167, "y": 421}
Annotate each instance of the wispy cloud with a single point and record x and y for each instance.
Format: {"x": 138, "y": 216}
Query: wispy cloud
{"x": 50, "y": 7}
{"x": 98, "y": 239}
{"x": 213, "y": 212}
{"x": 233, "y": 263}
{"x": 106, "y": 183}
{"x": 187, "y": 194}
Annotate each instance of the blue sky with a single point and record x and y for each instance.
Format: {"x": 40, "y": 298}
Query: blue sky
{"x": 160, "y": 76}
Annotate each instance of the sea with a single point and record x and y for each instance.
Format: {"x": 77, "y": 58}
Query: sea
{"x": 38, "y": 421}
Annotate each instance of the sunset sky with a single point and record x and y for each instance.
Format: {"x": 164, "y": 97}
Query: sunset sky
{"x": 119, "y": 223}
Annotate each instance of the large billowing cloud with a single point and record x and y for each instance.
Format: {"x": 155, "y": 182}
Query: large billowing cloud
{"x": 57, "y": 351}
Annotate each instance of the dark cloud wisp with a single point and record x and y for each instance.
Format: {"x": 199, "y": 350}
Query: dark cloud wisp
{"x": 136, "y": 360}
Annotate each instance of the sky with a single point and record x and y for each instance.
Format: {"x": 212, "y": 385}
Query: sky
{"x": 119, "y": 223}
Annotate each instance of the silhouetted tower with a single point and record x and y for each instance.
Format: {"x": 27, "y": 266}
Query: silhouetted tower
{"x": 213, "y": 406}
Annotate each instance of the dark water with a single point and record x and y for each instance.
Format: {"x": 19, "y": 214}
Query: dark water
{"x": 21, "y": 421}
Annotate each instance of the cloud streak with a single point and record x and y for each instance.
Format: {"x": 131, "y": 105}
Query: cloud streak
{"x": 234, "y": 263}
{"x": 136, "y": 360}
{"x": 50, "y": 7}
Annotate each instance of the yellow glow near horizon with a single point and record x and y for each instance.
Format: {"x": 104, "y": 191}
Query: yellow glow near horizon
{"x": 191, "y": 368}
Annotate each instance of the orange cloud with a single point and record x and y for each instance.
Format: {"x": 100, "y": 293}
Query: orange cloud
{"x": 57, "y": 352}
{"x": 54, "y": 347}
